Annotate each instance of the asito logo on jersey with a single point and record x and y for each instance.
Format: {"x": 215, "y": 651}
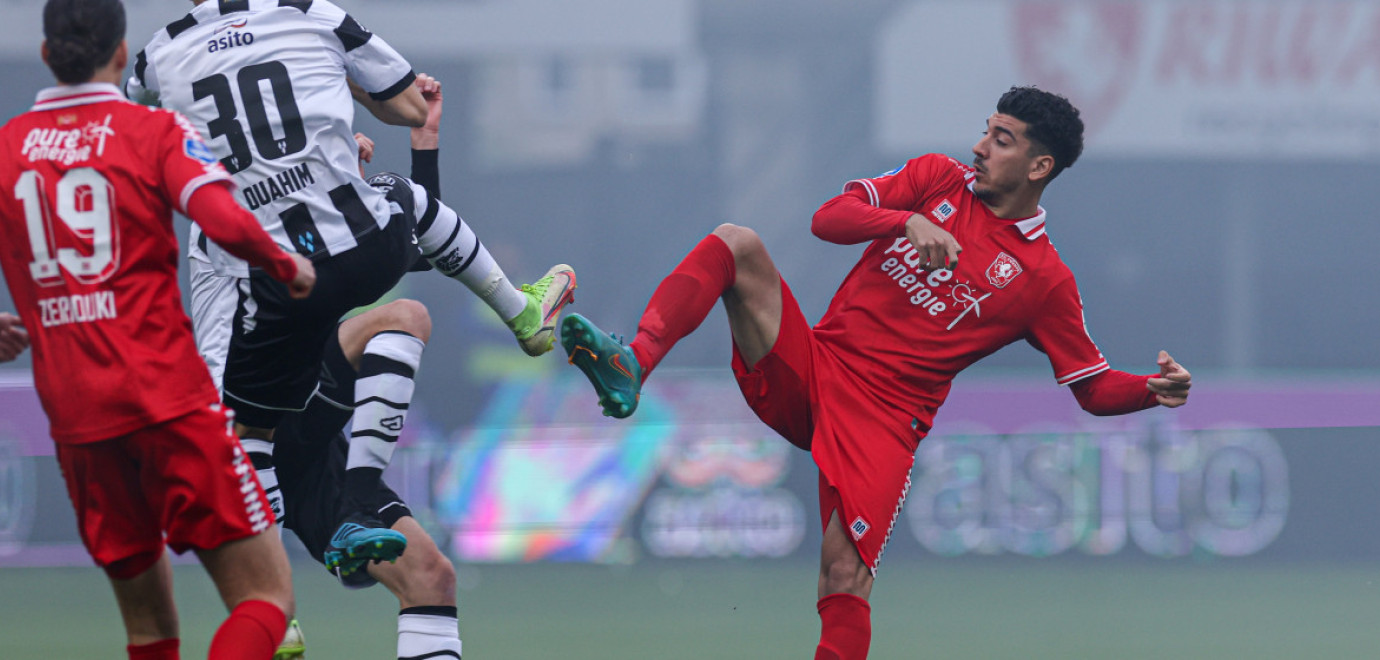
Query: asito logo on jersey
{"x": 230, "y": 39}
{"x": 1004, "y": 269}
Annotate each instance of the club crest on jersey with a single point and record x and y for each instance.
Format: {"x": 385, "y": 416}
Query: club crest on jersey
{"x": 943, "y": 211}
{"x": 1004, "y": 269}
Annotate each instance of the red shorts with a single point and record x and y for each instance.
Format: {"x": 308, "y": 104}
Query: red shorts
{"x": 187, "y": 478}
{"x": 864, "y": 448}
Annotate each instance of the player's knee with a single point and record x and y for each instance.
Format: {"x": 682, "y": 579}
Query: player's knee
{"x": 844, "y": 575}
{"x": 746, "y": 245}
{"x": 440, "y": 572}
{"x": 411, "y": 317}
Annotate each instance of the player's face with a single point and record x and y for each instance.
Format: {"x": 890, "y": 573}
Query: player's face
{"x": 1003, "y": 158}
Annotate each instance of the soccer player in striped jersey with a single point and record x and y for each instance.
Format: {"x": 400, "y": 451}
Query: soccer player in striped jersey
{"x": 88, "y": 184}
{"x": 860, "y": 388}
{"x": 270, "y": 82}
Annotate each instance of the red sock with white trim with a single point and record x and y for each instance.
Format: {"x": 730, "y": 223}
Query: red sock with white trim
{"x": 682, "y": 301}
{"x": 846, "y": 629}
{"x": 252, "y": 632}
{"x": 163, "y": 649}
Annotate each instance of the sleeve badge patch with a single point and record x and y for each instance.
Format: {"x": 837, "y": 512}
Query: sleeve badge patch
{"x": 198, "y": 151}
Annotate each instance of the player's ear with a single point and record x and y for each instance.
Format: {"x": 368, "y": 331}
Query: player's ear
{"x": 121, "y": 56}
{"x": 43, "y": 51}
{"x": 1041, "y": 167}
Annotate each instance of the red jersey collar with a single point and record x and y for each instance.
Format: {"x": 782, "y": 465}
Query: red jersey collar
{"x": 66, "y": 96}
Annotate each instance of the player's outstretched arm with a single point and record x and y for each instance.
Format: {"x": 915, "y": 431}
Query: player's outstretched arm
{"x": 426, "y": 141}
{"x": 406, "y": 109}
{"x": 236, "y": 230}
{"x": 1171, "y": 387}
{"x": 13, "y": 338}
{"x": 428, "y": 135}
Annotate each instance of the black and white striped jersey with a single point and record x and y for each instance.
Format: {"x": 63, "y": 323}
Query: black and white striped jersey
{"x": 266, "y": 83}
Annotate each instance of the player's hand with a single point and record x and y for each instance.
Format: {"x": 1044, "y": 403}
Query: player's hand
{"x": 366, "y": 148}
{"x": 301, "y": 285}
{"x": 13, "y": 338}
{"x": 1171, "y": 387}
{"x": 938, "y": 248}
{"x": 429, "y": 135}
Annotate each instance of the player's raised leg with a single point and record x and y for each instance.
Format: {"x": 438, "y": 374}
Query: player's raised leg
{"x": 732, "y": 264}
{"x": 385, "y": 348}
{"x": 449, "y": 244}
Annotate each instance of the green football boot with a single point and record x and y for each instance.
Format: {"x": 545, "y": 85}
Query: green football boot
{"x": 606, "y": 361}
{"x": 535, "y": 327}
{"x": 294, "y": 646}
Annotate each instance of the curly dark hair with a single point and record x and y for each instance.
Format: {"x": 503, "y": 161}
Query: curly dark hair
{"x": 82, "y": 36}
{"x": 1053, "y": 124}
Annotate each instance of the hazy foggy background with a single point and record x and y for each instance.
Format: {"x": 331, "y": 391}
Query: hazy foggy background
{"x": 1225, "y": 207}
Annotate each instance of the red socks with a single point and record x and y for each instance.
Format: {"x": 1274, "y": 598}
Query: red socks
{"x": 682, "y": 300}
{"x": 163, "y": 649}
{"x": 253, "y": 632}
{"x": 847, "y": 628}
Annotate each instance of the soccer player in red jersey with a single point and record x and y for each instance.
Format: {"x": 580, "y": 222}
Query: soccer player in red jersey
{"x": 860, "y": 389}
{"x": 88, "y": 184}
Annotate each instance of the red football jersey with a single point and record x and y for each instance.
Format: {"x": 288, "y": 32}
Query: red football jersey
{"x": 88, "y": 183}
{"x": 910, "y": 331}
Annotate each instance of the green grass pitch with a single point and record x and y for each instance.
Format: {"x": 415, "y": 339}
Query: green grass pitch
{"x": 760, "y": 609}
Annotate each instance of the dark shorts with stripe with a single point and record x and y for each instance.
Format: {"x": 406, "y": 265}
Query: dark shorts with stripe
{"x": 310, "y": 451}
{"x": 276, "y": 342}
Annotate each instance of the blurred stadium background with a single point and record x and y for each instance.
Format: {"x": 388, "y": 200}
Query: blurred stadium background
{"x": 1225, "y": 209}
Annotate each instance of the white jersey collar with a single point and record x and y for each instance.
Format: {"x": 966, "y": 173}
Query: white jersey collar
{"x": 66, "y": 96}
{"x": 1034, "y": 226}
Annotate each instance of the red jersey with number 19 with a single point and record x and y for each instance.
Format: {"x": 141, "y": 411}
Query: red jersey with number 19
{"x": 88, "y": 183}
{"x": 909, "y": 331}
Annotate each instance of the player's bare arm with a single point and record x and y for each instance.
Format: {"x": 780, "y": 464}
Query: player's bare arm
{"x": 937, "y": 247}
{"x": 13, "y": 338}
{"x": 406, "y": 109}
{"x": 1171, "y": 387}
{"x": 428, "y": 136}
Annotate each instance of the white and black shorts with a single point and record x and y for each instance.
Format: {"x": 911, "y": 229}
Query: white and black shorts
{"x": 272, "y": 344}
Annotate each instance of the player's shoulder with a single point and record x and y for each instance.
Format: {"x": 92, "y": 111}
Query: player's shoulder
{"x": 16, "y": 123}
{"x": 1046, "y": 262}
{"x": 933, "y": 166}
{"x": 237, "y": 14}
{"x": 946, "y": 166}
